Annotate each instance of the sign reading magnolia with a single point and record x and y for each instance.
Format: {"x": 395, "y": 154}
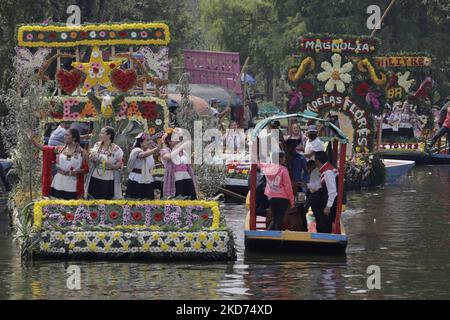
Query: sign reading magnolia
{"x": 355, "y": 46}
{"x": 403, "y": 62}
{"x": 345, "y": 105}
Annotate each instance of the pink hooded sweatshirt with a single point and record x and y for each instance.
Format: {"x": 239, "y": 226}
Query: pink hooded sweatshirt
{"x": 278, "y": 182}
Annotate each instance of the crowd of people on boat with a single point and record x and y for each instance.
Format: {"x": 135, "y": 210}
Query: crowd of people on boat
{"x": 299, "y": 177}
{"x": 72, "y": 170}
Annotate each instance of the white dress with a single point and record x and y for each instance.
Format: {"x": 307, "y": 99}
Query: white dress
{"x": 67, "y": 183}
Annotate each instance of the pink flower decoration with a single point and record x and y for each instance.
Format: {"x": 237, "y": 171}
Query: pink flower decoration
{"x": 144, "y": 34}
{"x": 29, "y": 36}
{"x": 102, "y": 34}
{"x": 96, "y": 65}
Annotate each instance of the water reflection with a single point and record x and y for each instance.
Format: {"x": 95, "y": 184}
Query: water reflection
{"x": 404, "y": 228}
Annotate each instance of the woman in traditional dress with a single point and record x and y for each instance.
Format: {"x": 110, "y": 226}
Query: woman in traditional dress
{"x": 140, "y": 165}
{"x": 179, "y": 178}
{"x": 103, "y": 181}
{"x": 71, "y": 164}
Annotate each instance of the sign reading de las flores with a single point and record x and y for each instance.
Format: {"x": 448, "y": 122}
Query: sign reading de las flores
{"x": 357, "y": 115}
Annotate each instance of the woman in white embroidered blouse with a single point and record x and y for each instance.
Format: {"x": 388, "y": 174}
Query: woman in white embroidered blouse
{"x": 106, "y": 157}
{"x": 140, "y": 165}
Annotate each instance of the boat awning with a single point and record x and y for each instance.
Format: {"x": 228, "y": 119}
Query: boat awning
{"x": 301, "y": 115}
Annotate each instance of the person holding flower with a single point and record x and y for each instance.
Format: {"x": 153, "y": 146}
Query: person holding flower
{"x": 71, "y": 162}
{"x": 140, "y": 165}
{"x": 103, "y": 180}
{"x": 179, "y": 178}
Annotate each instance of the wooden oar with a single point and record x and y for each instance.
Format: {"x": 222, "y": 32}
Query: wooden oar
{"x": 233, "y": 194}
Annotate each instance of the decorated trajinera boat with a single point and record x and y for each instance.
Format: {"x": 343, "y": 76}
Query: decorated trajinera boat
{"x": 106, "y": 75}
{"x": 258, "y": 238}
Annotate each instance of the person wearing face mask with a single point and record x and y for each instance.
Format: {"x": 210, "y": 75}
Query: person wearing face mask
{"x": 179, "y": 178}
{"x": 140, "y": 165}
{"x": 103, "y": 181}
{"x": 313, "y": 144}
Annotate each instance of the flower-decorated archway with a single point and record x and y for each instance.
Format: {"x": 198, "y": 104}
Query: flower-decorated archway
{"x": 338, "y": 74}
{"x": 104, "y": 72}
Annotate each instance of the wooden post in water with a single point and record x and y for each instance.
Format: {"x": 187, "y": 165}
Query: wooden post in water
{"x": 342, "y": 160}
{"x": 253, "y": 197}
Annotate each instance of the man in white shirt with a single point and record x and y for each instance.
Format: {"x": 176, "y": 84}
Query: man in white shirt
{"x": 313, "y": 145}
{"x": 324, "y": 194}
{"x": 57, "y": 137}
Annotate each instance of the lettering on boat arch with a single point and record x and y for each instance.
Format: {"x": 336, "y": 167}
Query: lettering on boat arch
{"x": 362, "y": 125}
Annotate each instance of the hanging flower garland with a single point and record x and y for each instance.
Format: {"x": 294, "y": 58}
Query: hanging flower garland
{"x": 94, "y": 35}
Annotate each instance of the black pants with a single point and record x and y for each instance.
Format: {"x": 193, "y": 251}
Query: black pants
{"x": 440, "y": 134}
{"x": 324, "y": 223}
{"x": 101, "y": 189}
{"x": 185, "y": 188}
{"x": 278, "y": 206}
{"x": 64, "y": 195}
{"x": 140, "y": 191}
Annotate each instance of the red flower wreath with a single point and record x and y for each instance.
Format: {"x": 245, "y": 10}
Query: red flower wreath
{"x": 114, "y": 215}
{"x": 205, "y": 216}
{"x": 158, "y": 217}
{"x": 69, "y": 216}
{"x": 137, "y": 216}
{"x": 122, "y": 34}
{"x": 94, "y": 215}
{"x": 306, "y": 89}
{"x": 362, "y": 90}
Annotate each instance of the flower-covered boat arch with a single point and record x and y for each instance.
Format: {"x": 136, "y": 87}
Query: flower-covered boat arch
{"x": 337, "y": 74}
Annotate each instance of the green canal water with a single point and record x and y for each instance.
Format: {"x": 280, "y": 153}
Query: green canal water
{"x": 403, "y": 228}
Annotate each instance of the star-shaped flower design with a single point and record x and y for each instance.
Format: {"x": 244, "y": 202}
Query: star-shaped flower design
{"x": 97, "y": 71}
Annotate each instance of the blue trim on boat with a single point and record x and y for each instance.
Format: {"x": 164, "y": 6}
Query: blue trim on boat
{"x": 272, "y": 234}
{"x": 323, "y": 236}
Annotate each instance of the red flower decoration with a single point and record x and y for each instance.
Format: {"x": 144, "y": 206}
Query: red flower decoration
{"x": 306, "y": 89}
{"x": 83, "y": 34}
{"x": 158, "y": 217}
{"x": 205, "y": 216}
{"x": 114, "y": 215}
{"x": 94, "y": 215}
{"x": 362, "y": 90}
{"x": 137, "y": 216}
{"x": 112, "y": 65}
{"x": 52, "y": 36}
{"x": 56, "y": 115}
{"x": 122, "y": 34}
{"x": 150, "y": 114}
{"x": 149, "y": 104}
{"x": 69, "y": 216}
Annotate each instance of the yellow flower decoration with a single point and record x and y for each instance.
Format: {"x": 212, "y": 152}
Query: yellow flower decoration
{"x": 97, "y": 71}
{"x": 209, "y": 245}
{"x": 202, "y": 236}
{"x": 101, "y": 236}
{"x": 107, "y": 247}
{"x": 197, "y": 245}
{"x": 112, "y": 29}
{"x": 146, "y": 247}
{"x": 164, "y": 247}
{"x": 92, "y": 246}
